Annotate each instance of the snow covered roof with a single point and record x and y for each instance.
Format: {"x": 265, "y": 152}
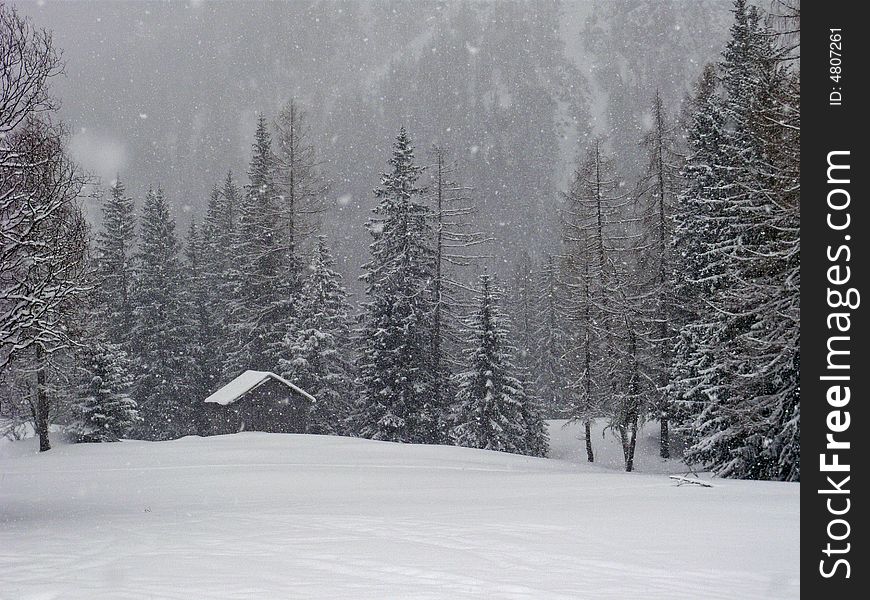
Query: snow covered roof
{"x": 246, "y": 382}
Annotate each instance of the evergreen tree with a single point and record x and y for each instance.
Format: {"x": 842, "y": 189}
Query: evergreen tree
{"x": 397, "y": 379}
{"x": 697, "y": 223}
{"x": 779, "y": 319}
{"x": 161, "y": 333}
{"x": 754, "y": 419}
{"x": 105, "y": 410}
{"x": 114, "y": 262}
{"x": 265, "y": 279}
{"x": 220, "y": 271}
{"x": 492, "y": 410}
{"x": 739, "y": 377}
{"x": 537, "y": 438}
{"x": 320, "y": 356}
{"x": 201, "y": 324}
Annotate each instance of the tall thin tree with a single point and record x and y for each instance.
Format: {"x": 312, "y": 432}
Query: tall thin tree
{"x": 397, "y": 378}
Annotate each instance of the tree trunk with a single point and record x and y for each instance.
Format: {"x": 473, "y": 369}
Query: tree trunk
{"x": 42, "y": 407}
{"x": 589, "y": 455}
{"x": 632, "y": 443}
{"x": 664, "y": 442}
{"x": 437, "y": 359}
{"x": 665, "y": 436}
{"x": 587, "y": 360}
{"x": 629, "y": 427}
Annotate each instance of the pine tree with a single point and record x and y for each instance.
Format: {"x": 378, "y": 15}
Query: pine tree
{"x": 492, "y": 410}
{"x": 319, "y": 351}
{"x": 697, "y": 223}
{"x": 202, "y": 342}
{"x": 161, "y": 332}
{"x": 114, "y": 262}
{"x": 397, "y": 377}
{"x": 265, "y": 280}
{"x": 220, "y": 272}
{"x": 105, "y": 410}
{"x": 736, "y": 363}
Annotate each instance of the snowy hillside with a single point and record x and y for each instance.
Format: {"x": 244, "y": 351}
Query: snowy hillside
{"x": 260, "y": 515}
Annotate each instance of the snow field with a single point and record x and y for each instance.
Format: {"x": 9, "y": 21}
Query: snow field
{"x": 258, "y": 515}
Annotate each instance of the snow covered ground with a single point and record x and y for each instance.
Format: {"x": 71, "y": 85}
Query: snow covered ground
{"x": 259, "y": 515}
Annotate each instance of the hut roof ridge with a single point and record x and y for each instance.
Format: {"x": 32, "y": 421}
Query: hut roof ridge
{"x": 248, "y": 381}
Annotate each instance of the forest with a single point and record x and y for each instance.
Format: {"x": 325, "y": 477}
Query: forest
{"x": 662, "y": 283}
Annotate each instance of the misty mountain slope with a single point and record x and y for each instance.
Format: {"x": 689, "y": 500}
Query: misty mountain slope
{"x": 168, "y": 94}
{"x": 266, "y": 515}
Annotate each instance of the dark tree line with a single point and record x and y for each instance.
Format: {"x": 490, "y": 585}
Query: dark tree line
{"x": 670, "y": 292}
{"x": 124, "y": 333}
{"x": 675, "y": 297}
{"x": 255, "y": 288}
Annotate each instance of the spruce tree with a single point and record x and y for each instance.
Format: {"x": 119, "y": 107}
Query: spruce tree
{"x": 736, "y": 362}
{"x": 697, "y": 222}
{"x": 319, "y": 352}
{"x": 114, "y": 263}
{"x": 779, "y": 318}
{"x": 760, "y": 395}
{"x": 201, "y": 324}
{"x": 161, "y": 332}
{"x": 265, "y": 279}
{"x": 492, "y": 410}
{"x": 104, "y": 410}
{"x": 398, "y": 397}
{"x": 220, "y": 272}
{"x": 218, "y": 229}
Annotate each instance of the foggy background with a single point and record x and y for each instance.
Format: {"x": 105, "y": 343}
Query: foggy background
{"x": 168, "y": 94}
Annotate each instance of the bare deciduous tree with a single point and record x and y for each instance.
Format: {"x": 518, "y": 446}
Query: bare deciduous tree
{"x": 43, "y": 234}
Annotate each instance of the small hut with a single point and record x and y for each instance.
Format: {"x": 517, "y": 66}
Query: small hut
{"x": 259, "y": 401}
